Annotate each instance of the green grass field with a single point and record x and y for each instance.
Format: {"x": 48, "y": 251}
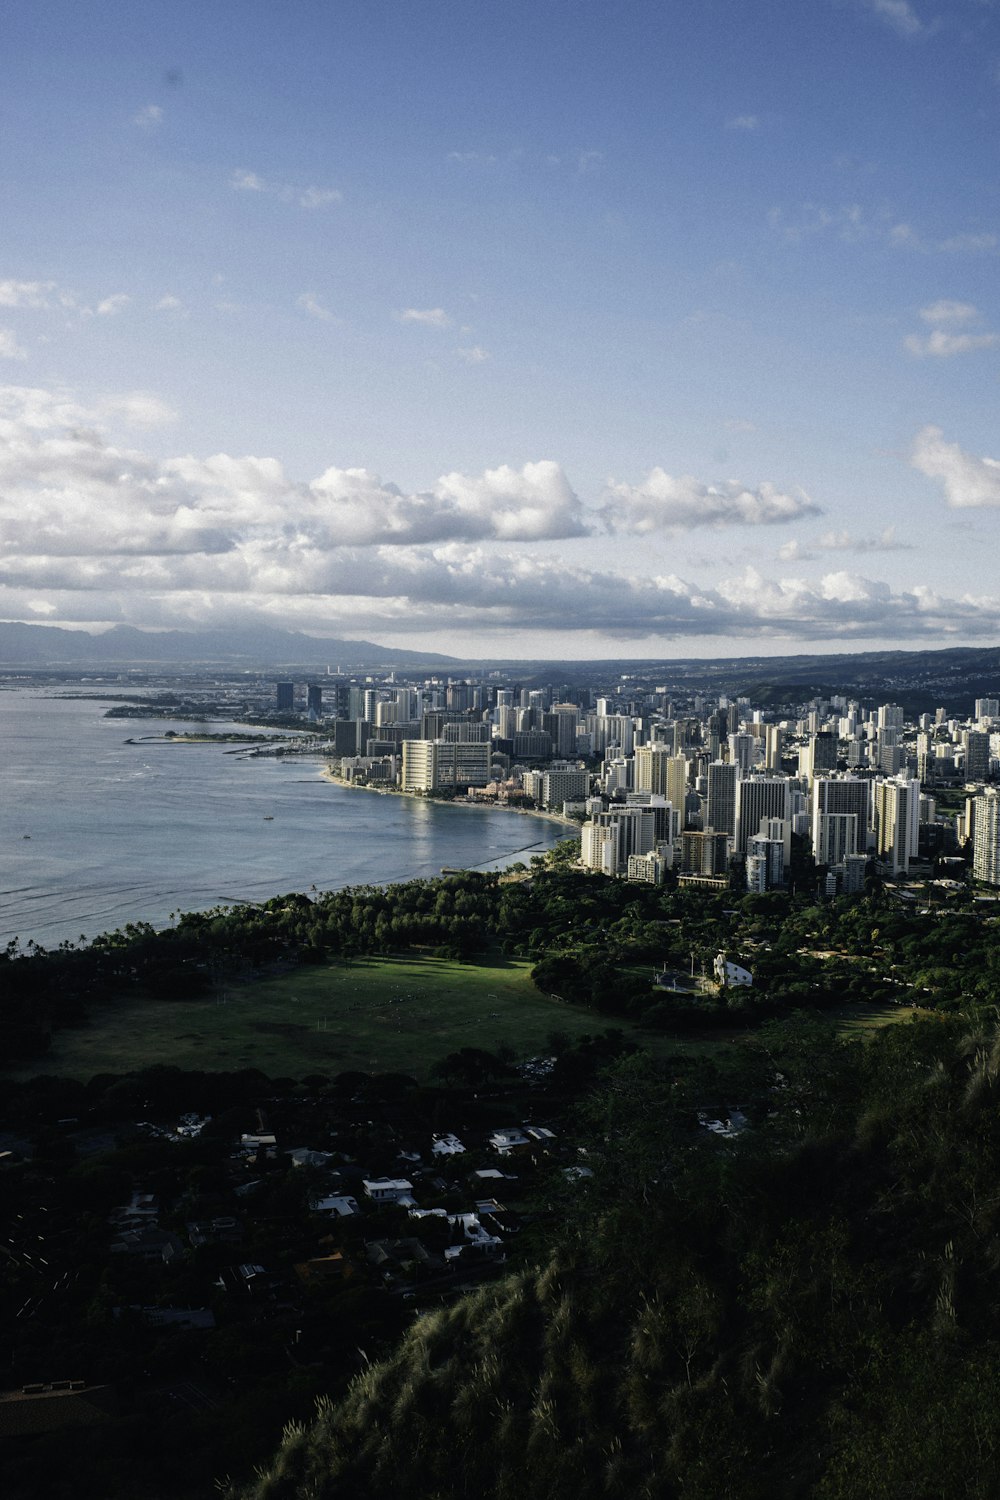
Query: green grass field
{"x": 378, "y": 1015}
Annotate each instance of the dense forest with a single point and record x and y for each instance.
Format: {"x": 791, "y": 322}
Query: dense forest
{"x": 591, "y": 939}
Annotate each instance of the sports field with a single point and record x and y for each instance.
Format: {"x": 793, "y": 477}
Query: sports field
{"x": 378, "y": 1015}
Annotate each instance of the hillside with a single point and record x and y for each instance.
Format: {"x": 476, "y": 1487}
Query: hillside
{"x": 810, "y": 1311}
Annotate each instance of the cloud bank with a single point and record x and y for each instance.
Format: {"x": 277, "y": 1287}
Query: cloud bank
{"x": 93, "y": 528}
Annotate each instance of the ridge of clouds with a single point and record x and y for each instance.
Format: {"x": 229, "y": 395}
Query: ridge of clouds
{"x": 664, "y": 503}
{"x": 96, "y": 529}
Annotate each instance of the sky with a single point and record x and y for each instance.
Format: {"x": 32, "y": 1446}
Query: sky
{"x": 521, "y": 328}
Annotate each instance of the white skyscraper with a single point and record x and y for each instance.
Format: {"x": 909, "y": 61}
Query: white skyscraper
{"x": 986, "y": 838}
{"x": 896, "y": 807}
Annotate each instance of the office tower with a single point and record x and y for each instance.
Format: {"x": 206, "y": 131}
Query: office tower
{"x": 987, "y": 708}
{"x": 652, "y": 764}
{"x": 466, "y": 732}
{"x": 720, "y": 799}
{"x": 891, "y": 759}
{"x": 986, "y": 838}
{"x": 773, "y": 742}
{"x": 824, "y": 753}
{"x": 705, "y": 853}
{"x": 896, "y": 810}
{"x": 562, "y": 783}
{"x": 438, "y": 765}
{"x": 507, "y": 721}
{"x": 765, "y": 869}
{"x": 613, "y": 729}
{"x": 836, "y": 837}
{"x": 759, "y": 797}
{"x": 742, "y": 749}
{"x": 314, "y": 700}
{"x": 345, "y": 737}
{"x": 407, "y": 701}
{"x": 852, "y": 874}
{"x": 285, "y": 697}
{"x": 839, "y": 796}
{"x": 890, "y": 716}
{"x": 977, "y": 755}
{"x": 925, "y": 757}
{"x": 560, "y": 723}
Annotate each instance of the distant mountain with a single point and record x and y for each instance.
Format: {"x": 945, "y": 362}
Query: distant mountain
{"x": 256, "y": 646}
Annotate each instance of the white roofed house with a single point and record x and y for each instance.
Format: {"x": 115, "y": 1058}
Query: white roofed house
{"x": 383, "y": 1190}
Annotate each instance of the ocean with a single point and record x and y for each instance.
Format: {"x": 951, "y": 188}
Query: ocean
{"x": 95, "y": 832}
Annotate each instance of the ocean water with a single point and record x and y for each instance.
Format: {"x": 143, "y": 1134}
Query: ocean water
{"x": 95, "y": 832}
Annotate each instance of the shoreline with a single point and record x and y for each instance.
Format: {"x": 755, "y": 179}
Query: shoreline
{"x": 390, "y": 791}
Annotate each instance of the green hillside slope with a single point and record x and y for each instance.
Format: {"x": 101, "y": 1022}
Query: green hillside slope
{"x": 809, "y": 1310}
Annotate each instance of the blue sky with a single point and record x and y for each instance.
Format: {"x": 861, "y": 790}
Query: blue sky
{"x": 575, "y": 328}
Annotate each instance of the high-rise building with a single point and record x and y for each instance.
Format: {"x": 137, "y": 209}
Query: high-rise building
{"x": 720, "y": 798}
{"x": 986, "y": 838}
{"x": 977, "y": 755}
{"x": 438, "y": 765}
{"x": 284, "y": 697}
{"x": 896, "y": 812}
{"x": 704, "y": 853}
{"x": 833, "y": 797}
{"x": 652, "y": 768}
{"x": 759, "y": 797}
{"x": 314, "y": 700}
{"x": 765, "y": 868}
{"x": 742, "y": 750}
{"x": 773, "y": 741}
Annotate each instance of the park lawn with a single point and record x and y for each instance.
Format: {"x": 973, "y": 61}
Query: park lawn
{"x": 372, "y": 1015}
{"x": 858, "y": 1019}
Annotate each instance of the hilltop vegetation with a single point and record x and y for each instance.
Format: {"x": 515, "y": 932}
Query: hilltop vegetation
{"x": 809, "y": 1311}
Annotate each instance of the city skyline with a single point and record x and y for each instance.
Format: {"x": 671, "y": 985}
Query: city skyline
{"x": 517, "y": 330}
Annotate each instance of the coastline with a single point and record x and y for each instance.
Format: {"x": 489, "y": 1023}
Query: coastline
{"x": 391, "y": 791}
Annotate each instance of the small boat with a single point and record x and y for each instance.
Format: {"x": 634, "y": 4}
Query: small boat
{"x": 269, "y": 817}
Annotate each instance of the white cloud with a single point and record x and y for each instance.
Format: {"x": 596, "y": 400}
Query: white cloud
{"x": 970, "y": 244}
{"x": 588, "y": 161}
{"x": 743, "y": 122}
{"x": 968, "y": 481}
{"x": 946, "y": 310}
{"x": 943, "y": 345}
{"x": 112, "y": 305}
{"x": 474, "y": 355}
{"x": 842, "y": 541}
{"x": 9, "y": 347}
{"x": 310, "y": 303}
{"x": 138, "y": 409}
{"x": 93, "y": 529}
{"x": 168, "y": 304}
{"x": 243, "y": 181}
{"x": 430, "y": 317}
{"x": 149, "y": 117}
{"x": 315, "y": 197}
{"x": 25, "y": 293}
{"x": 469, "y": 157}
{"x": 664, "y": 503}
{"x": 247, "y": 182}
{"x": 898, "y": 14}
